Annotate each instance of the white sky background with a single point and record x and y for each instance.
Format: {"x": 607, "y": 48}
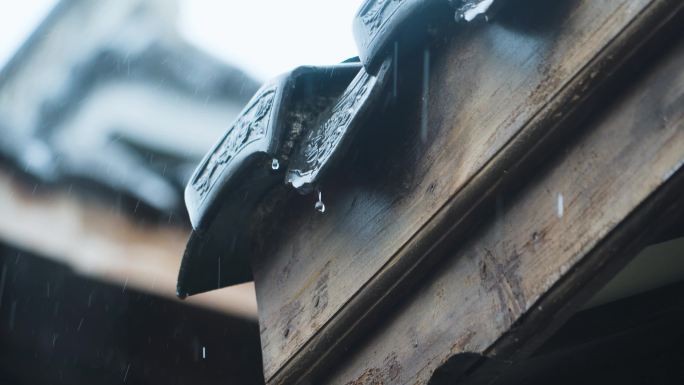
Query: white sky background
{"x": 268, "y": 37}
{"x": 17, "y": 20}
{"x": 264, "y": 37}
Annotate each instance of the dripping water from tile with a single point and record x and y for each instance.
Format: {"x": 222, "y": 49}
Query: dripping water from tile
{"x": 320, "y": 206}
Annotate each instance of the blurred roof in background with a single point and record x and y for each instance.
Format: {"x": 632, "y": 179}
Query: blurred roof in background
{"x": 108, "y": 93}
{"x": 104, "y": 112}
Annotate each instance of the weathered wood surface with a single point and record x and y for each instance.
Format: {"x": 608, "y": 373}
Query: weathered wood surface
{"x": 625, "y": 169}
{"x": 493, "y": 89}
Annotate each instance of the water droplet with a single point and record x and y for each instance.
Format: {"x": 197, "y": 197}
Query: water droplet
{"x": 320, "y": 206}
{"x": 128, "y": 367}
{"x": 426, "y": 94}
{"x": 275, "y": 164}
{"x": 395, "y": 64}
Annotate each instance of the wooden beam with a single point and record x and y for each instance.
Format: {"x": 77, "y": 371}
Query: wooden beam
{"x": 104, "y": 243}
{"x": 548, "y": 244}
{"x": 496, "y": 92}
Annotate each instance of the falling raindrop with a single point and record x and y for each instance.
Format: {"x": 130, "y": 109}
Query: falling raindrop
{"x": 126, "y": 374}
{"x": 275, "y": 165}
{"x": 13, "y": 311}
{"x": 560, "y": 206}
{"x": 396, "y": 69}
{"x": 2, "y": 281}
{"x": 426, "y": 94}
{"x": 320, "y": 206}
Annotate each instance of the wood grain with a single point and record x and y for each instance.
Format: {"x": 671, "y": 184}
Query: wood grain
{"x": 607, "y": 178}
{"x": 492, "y": 88}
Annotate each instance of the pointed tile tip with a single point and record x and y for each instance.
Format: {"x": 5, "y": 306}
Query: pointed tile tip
{"x": 181, "y": 294}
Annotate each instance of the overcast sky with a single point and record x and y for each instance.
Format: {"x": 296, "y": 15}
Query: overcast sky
{"x": 265, "y": 37}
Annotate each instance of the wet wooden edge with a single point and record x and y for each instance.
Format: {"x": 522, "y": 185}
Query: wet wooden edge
{"x": 614, "y": 176}
{"x": 428, "y": 244}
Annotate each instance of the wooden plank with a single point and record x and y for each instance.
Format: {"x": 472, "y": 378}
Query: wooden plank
{"x": 102, "y": 243}
{"x": 487, "y": 84}
{"x": 620, "y": 175}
